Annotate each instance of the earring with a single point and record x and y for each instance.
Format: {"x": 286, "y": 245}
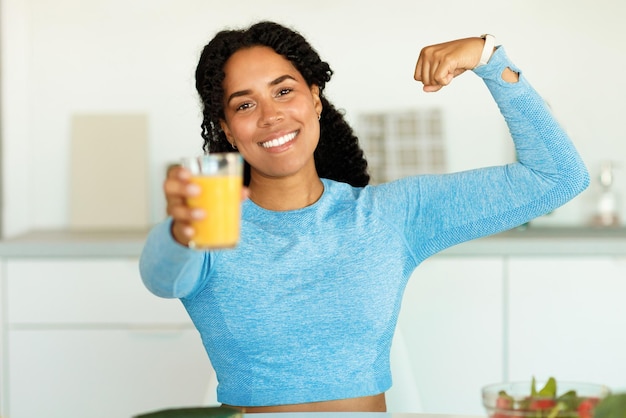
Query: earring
{"x": 232, "y": 144}
{"x": 319, "y": 116}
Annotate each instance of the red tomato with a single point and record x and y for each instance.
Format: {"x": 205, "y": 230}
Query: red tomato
{"x": 541, "y": 404}
{"x": 585, "y": 408}
{"x": 503, "y": 403}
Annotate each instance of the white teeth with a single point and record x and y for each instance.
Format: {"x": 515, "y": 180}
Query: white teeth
{"x": 279, "y": 141}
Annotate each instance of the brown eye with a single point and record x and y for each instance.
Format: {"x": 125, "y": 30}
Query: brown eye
{"x": 243, "y": 106}
{"x": 284, "y": 91}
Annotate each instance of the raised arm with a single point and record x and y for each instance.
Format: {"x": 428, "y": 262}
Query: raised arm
{"x": 444, "y": 210}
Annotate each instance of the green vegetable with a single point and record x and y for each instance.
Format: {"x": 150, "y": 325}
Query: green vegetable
{"x": 613, "y": 406}
{"x": 544, "y": 403}
{"x": 554, "y": 412}
{"x": 549, "y": 390}
{"x": 204, "y": 412}
{"x": 570, "y": 399}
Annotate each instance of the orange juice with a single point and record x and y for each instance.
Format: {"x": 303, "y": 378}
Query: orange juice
{"x": 220, "y": 197}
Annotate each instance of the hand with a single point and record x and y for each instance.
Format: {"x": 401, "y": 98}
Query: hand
{"x": 438, "y": 64}
{"x": 178, "y": 187}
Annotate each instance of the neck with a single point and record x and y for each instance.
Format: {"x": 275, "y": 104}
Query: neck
{"x": 288, "y": 193}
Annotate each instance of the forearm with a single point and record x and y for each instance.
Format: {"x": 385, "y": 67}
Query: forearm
{"x": 542, "y": 145}
{"x": 466, "y": 205}
{"x": 167, "y": 268}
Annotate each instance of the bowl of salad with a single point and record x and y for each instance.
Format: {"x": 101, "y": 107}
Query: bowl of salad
{"x": 536, "y": 399}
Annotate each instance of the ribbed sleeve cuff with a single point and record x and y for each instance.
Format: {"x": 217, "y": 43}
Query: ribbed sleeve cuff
{"x": 169, "y": 269}
{"x": 492, "y": 71}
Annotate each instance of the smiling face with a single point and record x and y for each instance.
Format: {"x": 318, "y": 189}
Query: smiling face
{"x": 271, "y": 114}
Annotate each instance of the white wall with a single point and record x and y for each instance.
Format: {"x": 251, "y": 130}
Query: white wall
{"x": 75, "y": 56}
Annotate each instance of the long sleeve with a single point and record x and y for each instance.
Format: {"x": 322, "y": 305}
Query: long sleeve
{"x": 440, "y": 211}
{"x": 167, "y": 268}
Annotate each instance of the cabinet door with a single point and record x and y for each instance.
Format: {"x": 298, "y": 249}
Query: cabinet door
{"x": 105, "y": 373}
{"x": 3, "y": 333}
{"x": 449, "y": 338}
{"x": 567, "y": 319}
{"x": 85, "y": 291}
{"x": 84, "y": 338}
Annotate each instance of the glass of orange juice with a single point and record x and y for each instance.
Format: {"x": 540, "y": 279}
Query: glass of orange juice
{"x": 220, "y": 178}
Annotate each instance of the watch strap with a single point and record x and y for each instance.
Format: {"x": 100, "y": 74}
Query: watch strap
{"x": 490, "y": 43}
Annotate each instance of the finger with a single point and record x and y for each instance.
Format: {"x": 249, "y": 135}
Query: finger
{"x": 426, "y": 76}
{"x": 177, "y": 184}
{"x": 179, "y": 210}
{"x": 432, "y": 78}
{"x": 182, "y": 229}
{"x": 175, "y": 188}
{"x": 440, "y": 72}
{"x": 432, "y": 89}
{"x": 443, "y": 76}
{"x": 176, "y": 171}
{"x": 172, "y": 203}
{"x": 417, "y": 74}
{"x": 182, "y": 232}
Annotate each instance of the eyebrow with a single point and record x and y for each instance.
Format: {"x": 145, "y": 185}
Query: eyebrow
{"x": 271, "y": 83}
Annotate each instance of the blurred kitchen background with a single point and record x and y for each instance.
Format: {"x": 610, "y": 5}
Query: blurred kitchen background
{"x": 124, "y": 71}
{"x": 98, "y": 98}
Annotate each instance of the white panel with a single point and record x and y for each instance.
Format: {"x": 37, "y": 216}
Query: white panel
{"x": 3, "y": 342}
{"x": 85, "y": 291}
{"x": 105, "y": 374}
{"x": 451, "y": 323}
{"x": 567, "y": 319}
{"x": 109, "y": 171}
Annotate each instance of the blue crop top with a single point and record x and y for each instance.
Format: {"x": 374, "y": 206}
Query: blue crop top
{"x": 305, "y": 308}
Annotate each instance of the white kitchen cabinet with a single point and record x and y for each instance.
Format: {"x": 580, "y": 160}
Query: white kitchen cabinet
{"x": 81, "y": 336}
{"x": 2, "y": 340}
{"x": 84, "y": 338}
{"x": 449, "y": 338}
{"x": 567, "y": 317}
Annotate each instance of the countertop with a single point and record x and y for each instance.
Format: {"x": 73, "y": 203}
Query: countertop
{"x": 531, "y": 241}
{"x": 124, "y": 243}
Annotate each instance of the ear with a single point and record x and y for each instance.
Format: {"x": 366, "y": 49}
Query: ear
{"x": 317, "y": 102}
{"x": 227, "y": 132}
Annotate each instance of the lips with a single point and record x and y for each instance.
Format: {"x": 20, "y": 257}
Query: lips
{"x": 277, "y": 142}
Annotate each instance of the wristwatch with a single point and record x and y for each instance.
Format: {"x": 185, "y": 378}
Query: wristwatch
{"x": 490, "y": 43}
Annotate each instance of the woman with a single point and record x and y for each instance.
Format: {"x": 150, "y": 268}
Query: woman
{"x": 300, "y": 316}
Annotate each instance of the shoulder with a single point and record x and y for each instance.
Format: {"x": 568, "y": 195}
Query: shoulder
{"x": 339, "y": 189}
{"x": 393, "y": 191}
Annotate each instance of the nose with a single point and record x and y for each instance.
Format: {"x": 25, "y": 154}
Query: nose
{"x": 270, "y": 114}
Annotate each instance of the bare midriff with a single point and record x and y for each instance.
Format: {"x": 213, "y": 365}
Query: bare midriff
{"x": 375, "y": 403}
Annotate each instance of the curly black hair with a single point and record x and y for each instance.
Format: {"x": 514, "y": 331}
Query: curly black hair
{"x": 338, "y": 155}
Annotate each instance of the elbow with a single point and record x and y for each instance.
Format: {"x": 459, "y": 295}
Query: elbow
{"x": 152, "y": 281}
{"x": 177, "y": 280}
{"x": 573, "y": 182}
{"x": 580, "y": 180}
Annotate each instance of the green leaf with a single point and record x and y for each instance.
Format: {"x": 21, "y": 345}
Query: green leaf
{"x": 549, "y": 390}
{"x": 570, "y": 399}
{"x": 533, "y": 388}
{"x": 503, "y": 394}
{"x": 554, "y": 412}
{"x": 613, "y": 406}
